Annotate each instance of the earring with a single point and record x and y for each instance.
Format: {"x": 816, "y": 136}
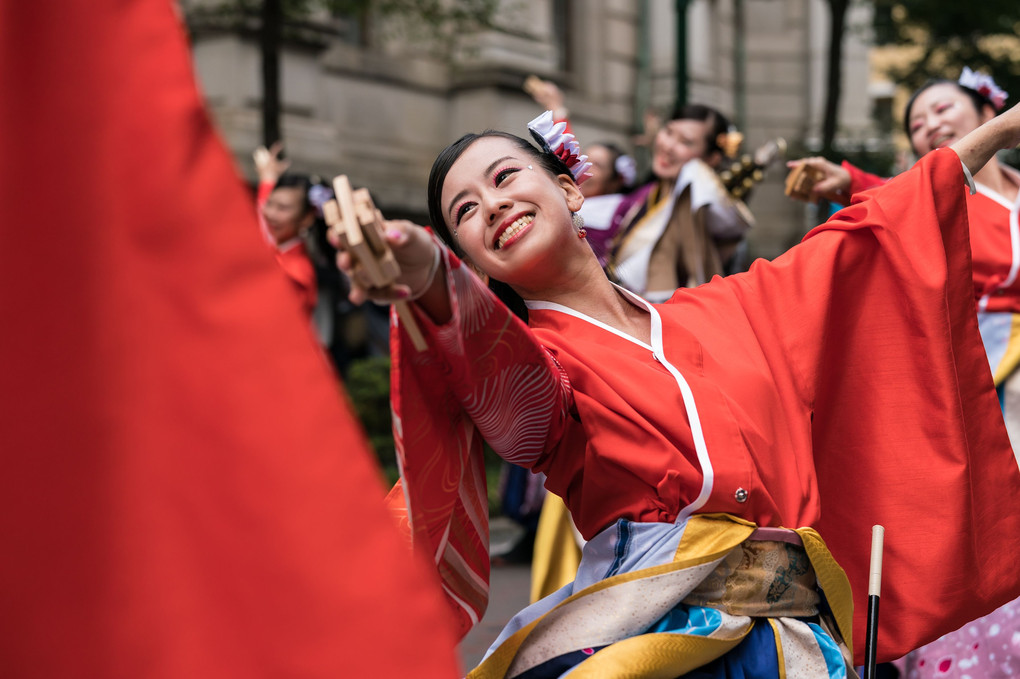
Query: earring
{"x": 530, "y": 167}
{"x": 578, "y": 222}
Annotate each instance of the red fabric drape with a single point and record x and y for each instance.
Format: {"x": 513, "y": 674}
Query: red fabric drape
{"x": 185, "y": 492}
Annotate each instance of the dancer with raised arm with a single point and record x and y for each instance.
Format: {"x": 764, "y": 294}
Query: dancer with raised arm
{"x": 938, "y": 114}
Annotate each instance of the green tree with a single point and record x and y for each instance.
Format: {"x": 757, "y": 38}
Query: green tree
{"x": 434, "y": 23}
{"x": 368, "y": 383}
{"x": 949, "y": 34}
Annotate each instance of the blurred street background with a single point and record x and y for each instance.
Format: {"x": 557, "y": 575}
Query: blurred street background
{"x": 509, "y": 586}
{"x": 375, "y": 88}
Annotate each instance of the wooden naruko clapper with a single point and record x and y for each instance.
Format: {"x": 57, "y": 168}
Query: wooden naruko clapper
{"x": 356, "y": 222}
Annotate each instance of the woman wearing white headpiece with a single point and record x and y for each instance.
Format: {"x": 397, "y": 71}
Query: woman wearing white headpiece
{"x": 705, "y": 446}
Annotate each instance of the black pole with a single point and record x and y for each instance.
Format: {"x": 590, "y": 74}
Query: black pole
{"x": 739, "y": 65}
{"x": 874, "y": 593}
{"x": 270, "y": 38}
{"x": 834, "y": 73}
{"x": 681, "y": 52}
{"x": 871, "y": 637}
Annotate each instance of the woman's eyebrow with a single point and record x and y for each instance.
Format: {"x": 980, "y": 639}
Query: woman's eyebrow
{"x": 488, "y": 171}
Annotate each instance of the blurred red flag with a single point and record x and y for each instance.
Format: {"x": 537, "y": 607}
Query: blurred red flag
{"x": 184, "y": 491}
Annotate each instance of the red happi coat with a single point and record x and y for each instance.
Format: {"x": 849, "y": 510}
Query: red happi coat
{"x": 842, "y": 385}
{"x": 995, "y": 241}
{"x": 292, "y": 256}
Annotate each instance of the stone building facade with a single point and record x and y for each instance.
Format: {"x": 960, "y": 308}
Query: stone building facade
{"x": 380, "y": 109}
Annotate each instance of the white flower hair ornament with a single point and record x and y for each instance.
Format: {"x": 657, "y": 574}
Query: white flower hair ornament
{"x": 985, "y": 86}
{"x": 318, "y": 195}
{"x": 554, "y": 139}
{"x": 626, "y": 168}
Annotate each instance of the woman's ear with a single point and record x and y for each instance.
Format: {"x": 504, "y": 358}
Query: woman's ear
{"x": 575, "y": 199}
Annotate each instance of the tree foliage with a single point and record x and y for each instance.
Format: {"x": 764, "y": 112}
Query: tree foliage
{"x": 369, "y": 388}
{"x": 436, "y": 25}
{"x": 949, "y": 34}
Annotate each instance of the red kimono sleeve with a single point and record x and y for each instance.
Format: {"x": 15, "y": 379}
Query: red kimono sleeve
{"x": 875, "y": 317}
{"x": 185, "y": 491}
{"x": 484, "y": 376}
{"x": 861, "y": 180}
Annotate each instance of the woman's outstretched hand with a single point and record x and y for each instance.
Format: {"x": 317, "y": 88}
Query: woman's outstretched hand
{"x": 548, "y": 95}
{"x": 269, "y": 165}
{"x": 978, "y": 146}
{"x": 420, "y": 263}
{"x": 835, "y": 182}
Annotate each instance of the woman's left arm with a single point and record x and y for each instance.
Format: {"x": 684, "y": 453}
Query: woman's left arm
{"x": 978, "y": 147}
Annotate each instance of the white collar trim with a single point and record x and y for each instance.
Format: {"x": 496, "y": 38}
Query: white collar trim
{"x": 554, "y": 306}
{"x": 698, "y": 434}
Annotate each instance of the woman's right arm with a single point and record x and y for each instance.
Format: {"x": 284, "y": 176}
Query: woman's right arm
{"x": 502, "y": 377}
{"x": 482, "y": 376}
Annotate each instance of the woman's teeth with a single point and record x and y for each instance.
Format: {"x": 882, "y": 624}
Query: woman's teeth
{"x": 513, "y": 230}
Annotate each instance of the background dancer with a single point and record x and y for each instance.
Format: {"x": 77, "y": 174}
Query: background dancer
{"x": 938, "y": 114}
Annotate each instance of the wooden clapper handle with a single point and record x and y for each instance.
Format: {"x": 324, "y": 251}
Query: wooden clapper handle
{"x": 800, "y": 181}
{"x": 358, "y": 226}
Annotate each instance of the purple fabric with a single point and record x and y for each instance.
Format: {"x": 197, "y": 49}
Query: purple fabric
{"x": 601, "y": 240}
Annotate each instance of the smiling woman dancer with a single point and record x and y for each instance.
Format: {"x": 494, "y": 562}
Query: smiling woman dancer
{"x": 683, "y": 227}
{"x": 697, "y": 442}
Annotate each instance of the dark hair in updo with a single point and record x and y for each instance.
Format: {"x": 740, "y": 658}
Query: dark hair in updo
{"x": 979, "y": 100}
{"x": 717, "y": 123}
{"x": 297, "y": 181}
{"x": 437, "y": 178}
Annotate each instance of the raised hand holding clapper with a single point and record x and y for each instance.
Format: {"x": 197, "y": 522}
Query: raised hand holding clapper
{"x": 356, "y": 225}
